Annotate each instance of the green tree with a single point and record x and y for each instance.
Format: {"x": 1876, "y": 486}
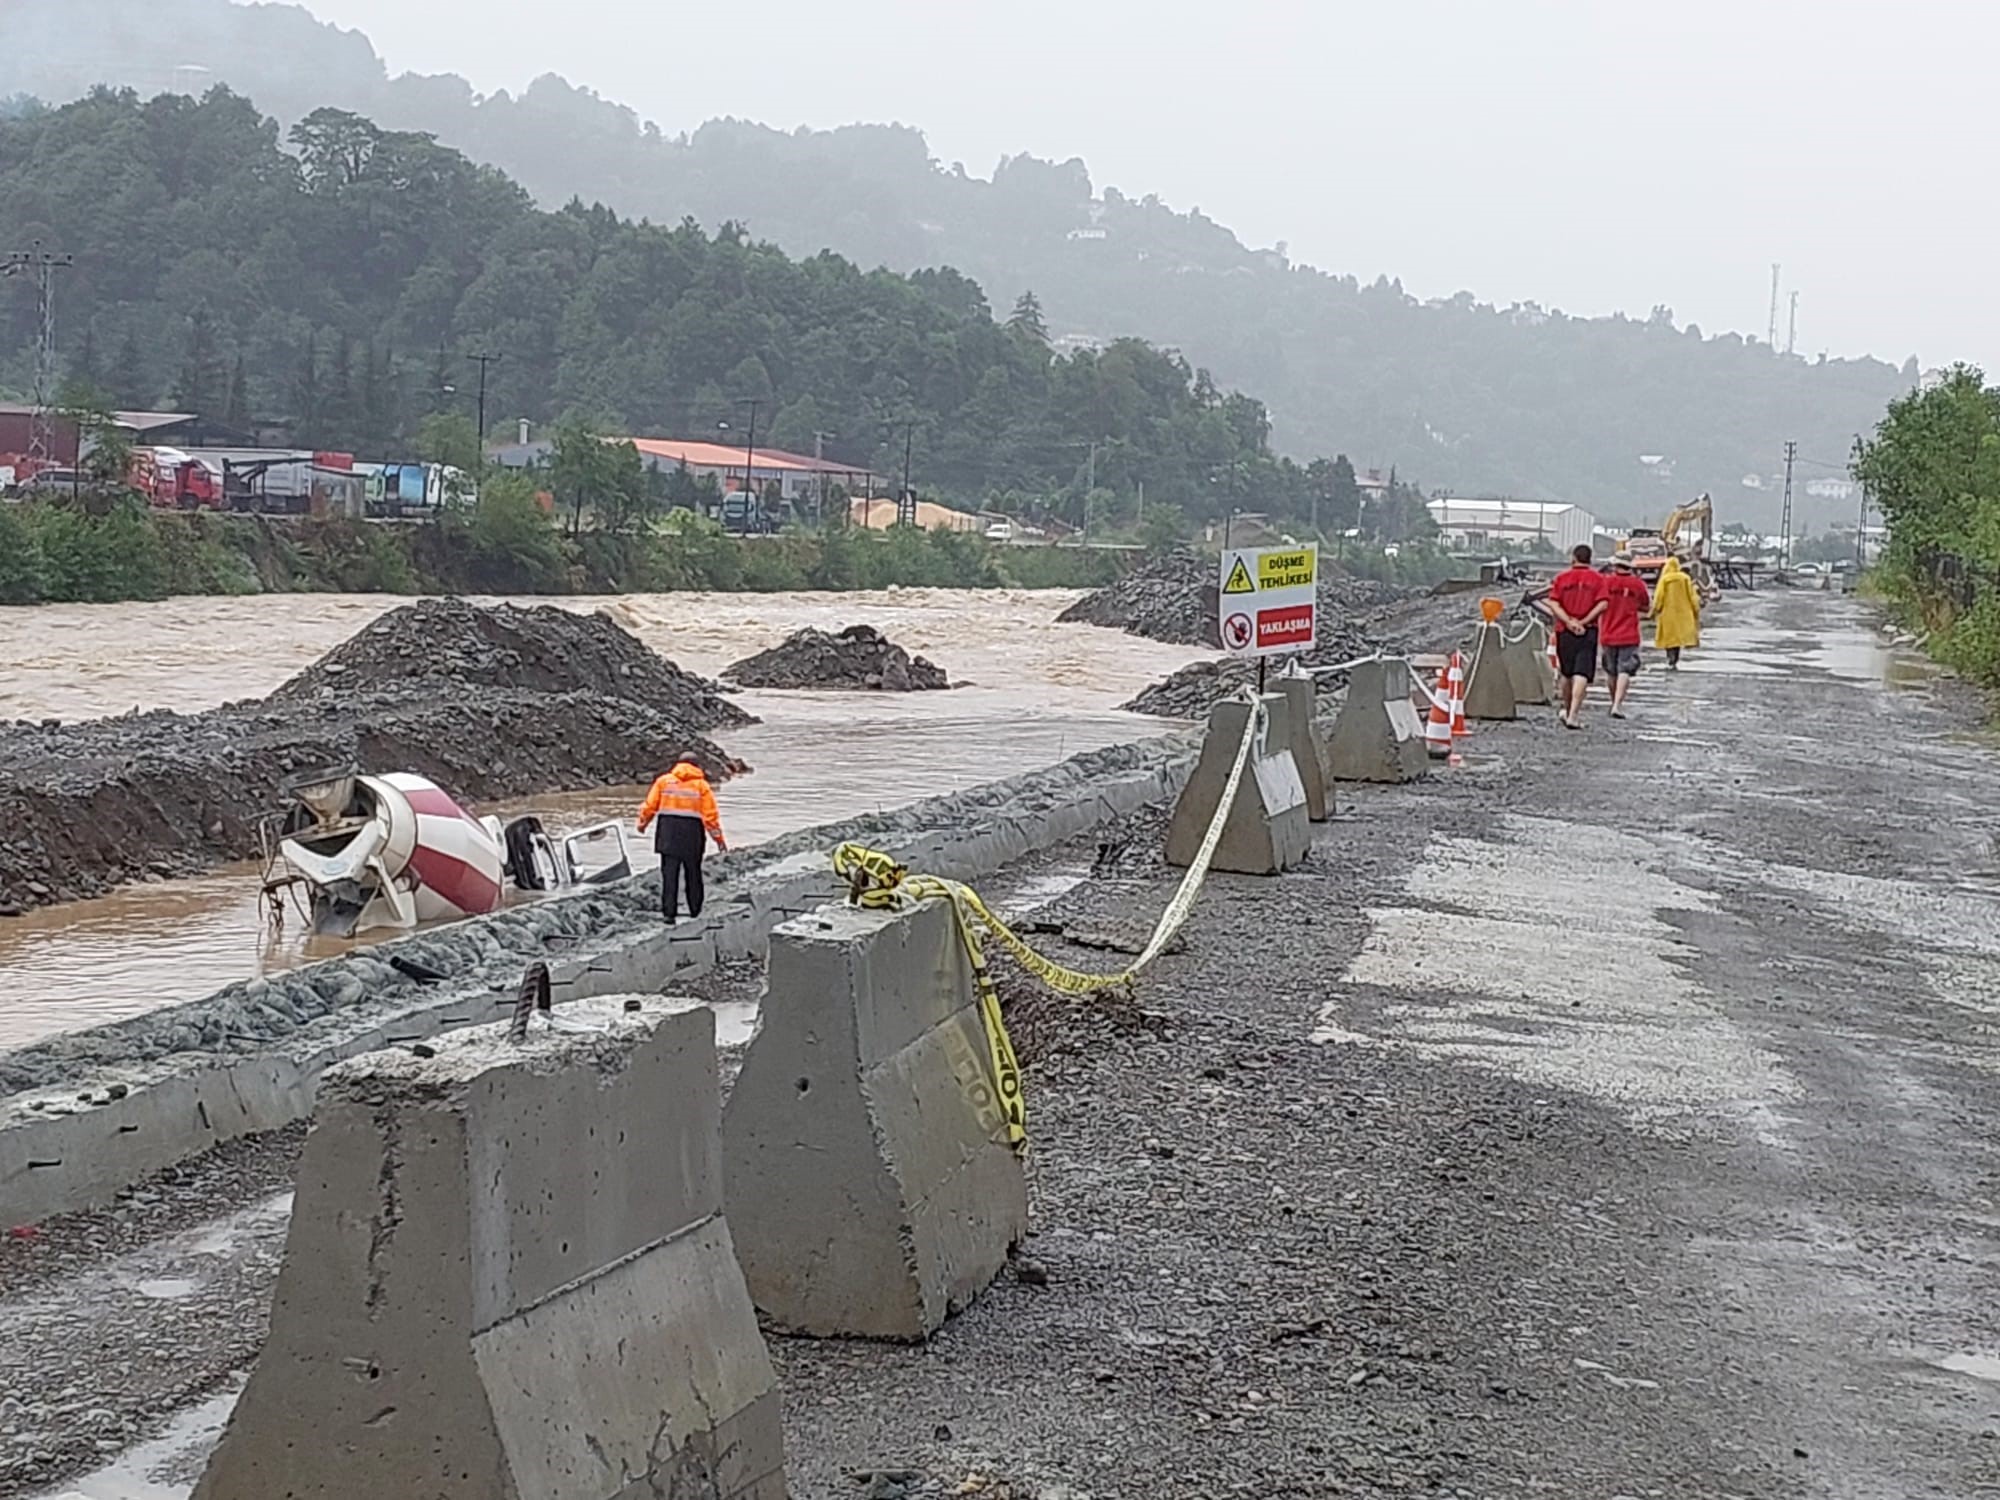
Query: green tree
{"x": 236, "y": 410}
{"x": 514, "y": 538}
{"x": 1027, "y": 320}
{"x": 604, "y": 477}
{"x": 202, "y": 385}
{"x": 449, "y": 438}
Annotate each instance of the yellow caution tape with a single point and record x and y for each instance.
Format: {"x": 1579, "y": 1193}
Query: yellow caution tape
{"x": 874, "y": 879}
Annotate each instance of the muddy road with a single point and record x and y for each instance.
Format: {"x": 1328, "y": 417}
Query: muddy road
{"x": 1611, "y": 1117}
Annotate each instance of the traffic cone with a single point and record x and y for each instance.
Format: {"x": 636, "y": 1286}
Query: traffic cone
{"x": 1437, "y": 728}
{"x": 1456, "y": 678}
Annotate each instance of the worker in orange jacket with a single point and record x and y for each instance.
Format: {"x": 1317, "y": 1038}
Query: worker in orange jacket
{"x": 684, "y": 804}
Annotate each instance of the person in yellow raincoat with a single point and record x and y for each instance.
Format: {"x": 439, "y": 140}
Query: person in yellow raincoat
{"x": 1676, "y": 613}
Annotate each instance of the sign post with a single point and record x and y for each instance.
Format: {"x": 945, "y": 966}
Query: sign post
{"x": 1269, "y": 602}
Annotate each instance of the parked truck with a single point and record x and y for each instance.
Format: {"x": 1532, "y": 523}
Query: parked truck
{"x": 175, "y": 480}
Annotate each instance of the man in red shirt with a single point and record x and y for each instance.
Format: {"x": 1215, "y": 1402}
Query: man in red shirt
{"x": 1577, "y": 599}
{"x": 1625, "y": 600}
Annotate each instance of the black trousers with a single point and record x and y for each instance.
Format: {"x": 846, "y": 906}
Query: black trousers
{"x": 681, "y": 843}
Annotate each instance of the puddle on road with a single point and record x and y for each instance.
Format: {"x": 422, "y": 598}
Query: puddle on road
{"x": 165, "y": 1468}
{"x": 167, "y": 1288}
{"x": 1978, "y": 1366}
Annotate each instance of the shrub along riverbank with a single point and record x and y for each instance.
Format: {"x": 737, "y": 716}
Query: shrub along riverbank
{"x": 57, "y": 553}
{"x": 1933, "y": 466}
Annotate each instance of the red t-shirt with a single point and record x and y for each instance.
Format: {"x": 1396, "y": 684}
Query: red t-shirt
{"x": 1619, "y": 624}
{"x": 1577, "y": 590}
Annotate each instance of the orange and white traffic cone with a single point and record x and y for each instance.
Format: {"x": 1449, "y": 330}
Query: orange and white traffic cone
{"x": 1456, "y": 678}
{"x": 1437, "y": 728}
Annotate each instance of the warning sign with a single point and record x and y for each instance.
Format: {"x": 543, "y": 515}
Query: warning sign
{"x": 1294, "y": 568}
{"x": 1270, "y": 600}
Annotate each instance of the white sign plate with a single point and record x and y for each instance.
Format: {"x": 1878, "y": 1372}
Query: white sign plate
{"x": 1269, "y": 603}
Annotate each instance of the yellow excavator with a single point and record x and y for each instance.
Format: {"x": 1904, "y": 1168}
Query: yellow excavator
{"x": 1688, "y": 531}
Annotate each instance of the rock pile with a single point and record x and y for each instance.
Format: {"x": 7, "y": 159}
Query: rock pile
{"x": 860, "y": 658}
{"x": 541, "y": 649}
{"x": 1356, "y": 617}
{"x": 480, "y": 705}
{"x": 1170, "y": 599}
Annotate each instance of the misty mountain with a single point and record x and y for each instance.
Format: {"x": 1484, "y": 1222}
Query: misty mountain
{"x": 1625, "y": 415}
{"x": 333, "y": 276}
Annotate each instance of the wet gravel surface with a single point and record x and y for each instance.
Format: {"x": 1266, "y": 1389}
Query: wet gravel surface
{"x": 1608, "y": 1118}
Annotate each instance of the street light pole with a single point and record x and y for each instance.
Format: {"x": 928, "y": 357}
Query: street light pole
{"x": 483, "y": 360}
{"x": 819, "y": 475}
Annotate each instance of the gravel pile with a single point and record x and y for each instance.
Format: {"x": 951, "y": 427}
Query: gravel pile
{"x": 541, "y": 649}
{"x": 1356, "y": 617}
{"x": 480, "y": 705}
{"x": 859, "y": 658}
{"x": 1170, "y": 599}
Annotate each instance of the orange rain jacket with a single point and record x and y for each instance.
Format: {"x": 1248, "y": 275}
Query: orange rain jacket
{"x": 683, "y": 793}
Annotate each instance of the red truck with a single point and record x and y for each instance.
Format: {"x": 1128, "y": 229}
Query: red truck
{"x": 174, "y": 480}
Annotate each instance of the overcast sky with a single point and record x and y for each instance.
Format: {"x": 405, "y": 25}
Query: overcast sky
{"x": 1592, "y": 155}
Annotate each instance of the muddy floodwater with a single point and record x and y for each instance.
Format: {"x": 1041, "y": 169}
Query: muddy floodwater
{"x": 1037, "y": 692}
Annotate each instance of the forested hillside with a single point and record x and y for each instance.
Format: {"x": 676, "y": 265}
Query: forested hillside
{"x": 334, "y": 287}
{"x": 1520, "y": 400}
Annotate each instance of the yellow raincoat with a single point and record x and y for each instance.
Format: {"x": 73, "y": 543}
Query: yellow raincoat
{"x": 1676, "y": 608}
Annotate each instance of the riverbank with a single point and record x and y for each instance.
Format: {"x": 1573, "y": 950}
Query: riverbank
{"x": 54, "y": 553}
{"x": 1393, "y": 1184}
{"x": 490, "y": 703}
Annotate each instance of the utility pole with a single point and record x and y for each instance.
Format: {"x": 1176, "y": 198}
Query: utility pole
{"x": 1861, "y": 526}
{"x": 1785, "y": 526}
{"x": 1792, "y": 328}
{"x": 819, "y": 460}
{"x": 750, "y": 498}
{"x": 1771, "y": 338}
{"x": 906, "y": 502}
{"x": 483, "y": 360}
{"x": 43, "y": 265}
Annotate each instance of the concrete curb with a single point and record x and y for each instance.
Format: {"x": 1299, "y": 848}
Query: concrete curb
{"x": 104, "y": 1121}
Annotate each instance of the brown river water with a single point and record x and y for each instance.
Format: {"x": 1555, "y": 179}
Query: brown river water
{"x": 1039, "y": 692}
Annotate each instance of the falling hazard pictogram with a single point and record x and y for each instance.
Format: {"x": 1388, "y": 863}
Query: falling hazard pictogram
{"x": 1239, "y": 580}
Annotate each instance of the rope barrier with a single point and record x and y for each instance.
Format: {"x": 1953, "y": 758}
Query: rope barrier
{"x": 877, "y": 881}
{"x": 1343, "y": 667}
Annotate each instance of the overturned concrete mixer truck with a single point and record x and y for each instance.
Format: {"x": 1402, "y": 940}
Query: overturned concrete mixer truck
{"x": 397, "y": 851}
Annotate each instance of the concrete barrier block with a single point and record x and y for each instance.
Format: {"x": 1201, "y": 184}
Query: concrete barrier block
{"x": 1528, "y": 668}
{"x": 1308, "y": 748}
{"x": 1489, "y": 691}
{"x": 1378, "y": 736}
{"x": 508, "y": 1274}
{"x": 870, "y": 1184}
{"x": 1268, "y": 829}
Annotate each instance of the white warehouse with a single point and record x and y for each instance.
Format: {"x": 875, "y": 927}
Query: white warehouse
{"x": 1511, "y": 525}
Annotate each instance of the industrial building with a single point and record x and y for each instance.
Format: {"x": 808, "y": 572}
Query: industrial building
{"x": 1494, "y": 525}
